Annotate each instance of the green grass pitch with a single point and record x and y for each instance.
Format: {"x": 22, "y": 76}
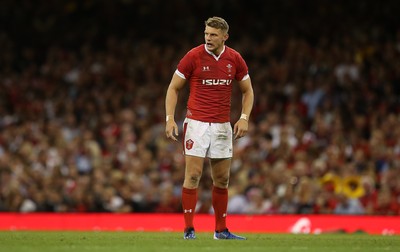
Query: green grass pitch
{"x": 35, "y": 241}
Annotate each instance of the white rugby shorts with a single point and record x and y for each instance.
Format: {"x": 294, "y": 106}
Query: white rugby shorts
{"x": 203, "y": 139}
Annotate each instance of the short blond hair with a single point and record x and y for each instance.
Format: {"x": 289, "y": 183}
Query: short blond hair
{"x": 217, "y": 23}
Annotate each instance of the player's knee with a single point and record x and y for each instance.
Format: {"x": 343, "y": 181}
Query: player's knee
{"x": 221, "y": 181}
{"x": 194, "y": 178}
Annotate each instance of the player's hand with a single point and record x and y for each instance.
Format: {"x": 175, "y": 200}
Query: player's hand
{"x": 240, "y": 128}
{"x": 171, "y": 130}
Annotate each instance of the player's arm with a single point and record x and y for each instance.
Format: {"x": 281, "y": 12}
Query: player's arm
{"x": 242, "y": 125}
{"x": 171, "y": 99}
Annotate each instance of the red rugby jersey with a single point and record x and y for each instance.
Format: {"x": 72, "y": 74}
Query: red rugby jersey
{"x": 211, "y": 78}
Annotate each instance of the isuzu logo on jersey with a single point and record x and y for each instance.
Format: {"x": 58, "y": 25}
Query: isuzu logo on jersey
{"x": 216, "y": 82}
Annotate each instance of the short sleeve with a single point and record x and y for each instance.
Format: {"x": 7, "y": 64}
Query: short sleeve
{"x": 241, "y": 69}
{"x": 186, "y": 65}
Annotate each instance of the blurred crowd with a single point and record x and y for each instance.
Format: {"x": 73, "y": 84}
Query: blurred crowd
{"x": 82, "y": 88}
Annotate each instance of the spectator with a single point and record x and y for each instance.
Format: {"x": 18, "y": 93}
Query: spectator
{"x": 348, "y": 206}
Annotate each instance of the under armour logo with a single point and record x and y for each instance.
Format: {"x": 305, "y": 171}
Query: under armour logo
{"x": 206, "y": 68}
{"x": 187, "y": 210}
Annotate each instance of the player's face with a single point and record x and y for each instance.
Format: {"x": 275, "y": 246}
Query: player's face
{"x": 215, "y": 39}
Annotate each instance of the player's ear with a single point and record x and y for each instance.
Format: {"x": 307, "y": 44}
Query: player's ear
{"x": 226, "y": 36}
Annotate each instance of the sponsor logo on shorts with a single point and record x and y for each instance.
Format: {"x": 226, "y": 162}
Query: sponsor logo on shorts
{"x": 189, "y": 144}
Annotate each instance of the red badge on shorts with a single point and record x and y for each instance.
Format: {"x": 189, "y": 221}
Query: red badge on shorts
{"x": 189, "y": 144}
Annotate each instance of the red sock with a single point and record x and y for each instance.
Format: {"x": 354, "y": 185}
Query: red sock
{"x": 220, "y": 205}
{"x": 189, "y": 201}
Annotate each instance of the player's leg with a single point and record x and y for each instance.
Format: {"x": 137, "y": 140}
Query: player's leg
{"x": 220, "y": 155}
{"x": 220, "y": 169}
{"x": 193, "y": 171}
{"x": 220, "y": 159}
{"x": 195, "y": 143}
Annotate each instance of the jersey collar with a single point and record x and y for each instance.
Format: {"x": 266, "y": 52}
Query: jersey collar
{"x": 212, "y": 54}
